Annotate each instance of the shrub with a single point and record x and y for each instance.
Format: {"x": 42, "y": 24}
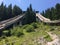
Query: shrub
{"x": 34, "y": 25}
{"x": 48, "y": 38}
{"x": 52, "y": 29}
{"x": 17, "y": 32}
{"x": 25, "y": 26}
{"x": 30, "y": 29}
{"x": 6, "y": 33}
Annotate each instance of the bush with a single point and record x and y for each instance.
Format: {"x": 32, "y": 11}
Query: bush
{"x": 17, "y": 32}
{"x": 34, "y": 25}
{"x": 48, "y": 38}
{"x": 6, "y": 33}
{"x": 52, "y": 29}
{"x": 25, "y": 26}
{"x": 30, "y": 29}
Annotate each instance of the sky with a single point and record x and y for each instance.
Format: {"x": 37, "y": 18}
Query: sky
{"x": 38, "y": 5}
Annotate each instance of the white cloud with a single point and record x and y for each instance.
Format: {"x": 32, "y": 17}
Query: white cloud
{"x": 1, "y": 1}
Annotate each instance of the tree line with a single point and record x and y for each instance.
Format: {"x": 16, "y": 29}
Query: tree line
{"x": 52, "y": 13}
{"x": 10, "y": 12}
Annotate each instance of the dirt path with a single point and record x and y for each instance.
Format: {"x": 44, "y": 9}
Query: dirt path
{"x": 55, "y": 38}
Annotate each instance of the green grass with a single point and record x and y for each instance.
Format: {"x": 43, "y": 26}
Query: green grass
{"x": 29, "y": 37}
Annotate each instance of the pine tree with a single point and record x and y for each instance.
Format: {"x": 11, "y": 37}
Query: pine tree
{"x": 43, "y": 13}
{"x": 58, "y": 10}
{"x": 16, "y": 10}
{"x": 30, "y": 7}
{"x": 30, "y": 15}
{"x": 53, "y": 13}
{"x": 5, "y": 13}
{"x": 1, "y": 11}
{"x": 9, "y": 11}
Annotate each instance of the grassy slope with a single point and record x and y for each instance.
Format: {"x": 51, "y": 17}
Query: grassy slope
{"x": 28, "y": 38}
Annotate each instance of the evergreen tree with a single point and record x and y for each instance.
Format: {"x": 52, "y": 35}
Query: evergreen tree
{"x": 43, "y": 13}
{"x": 58, "y": 10}
{"x": 9, "y": 11}
{"x": 47, "y": 13}
{"x": 5, "y": 13}
{"x": 16, "y": 10}
{"x": 30, "y": 7}
{"x": 30, "y": 15}
{"x": 1, "y": 11}
{"x": 52, "y": 13}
